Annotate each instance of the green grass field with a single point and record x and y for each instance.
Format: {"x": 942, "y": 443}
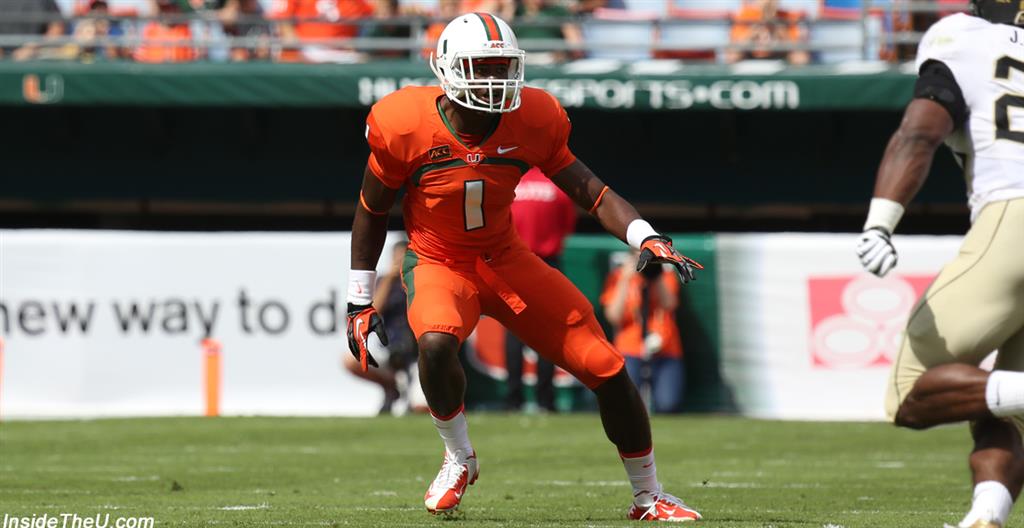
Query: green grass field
{"x": 535, "y": 471}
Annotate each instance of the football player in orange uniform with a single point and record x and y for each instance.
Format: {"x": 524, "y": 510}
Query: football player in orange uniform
{"x": 459, "y": 150}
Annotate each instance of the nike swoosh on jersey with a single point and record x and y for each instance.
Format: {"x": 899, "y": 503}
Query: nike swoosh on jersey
{"x": 502, "y": 150}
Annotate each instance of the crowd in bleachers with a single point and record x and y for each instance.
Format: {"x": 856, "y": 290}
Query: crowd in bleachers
{"x": 725, "y": 31}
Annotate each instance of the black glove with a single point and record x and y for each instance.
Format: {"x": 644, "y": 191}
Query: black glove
{"x": 652, "y": 272}
{"x": 363, "y": 319}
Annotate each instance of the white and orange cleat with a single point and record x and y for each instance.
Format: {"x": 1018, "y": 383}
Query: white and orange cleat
{"x": 660, "y": 506}
{"x": 457, "y": 472}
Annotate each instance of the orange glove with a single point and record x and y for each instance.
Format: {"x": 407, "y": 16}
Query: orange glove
{"x": 658, "y": 249}
{"x": 362, "y": 321}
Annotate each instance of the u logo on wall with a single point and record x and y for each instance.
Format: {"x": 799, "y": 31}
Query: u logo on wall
{"x": 36, "y": 91}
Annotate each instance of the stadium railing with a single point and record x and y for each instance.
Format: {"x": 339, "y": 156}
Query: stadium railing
{"x": 869, "y": 32}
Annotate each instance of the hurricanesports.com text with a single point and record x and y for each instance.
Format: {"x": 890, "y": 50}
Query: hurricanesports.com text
{"x": 74, "y": 520}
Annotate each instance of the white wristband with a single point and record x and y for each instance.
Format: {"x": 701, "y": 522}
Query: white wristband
{"x": 360, "y": 286}
{"x": 884, "y": 213}
{"x": 637, "y": 231}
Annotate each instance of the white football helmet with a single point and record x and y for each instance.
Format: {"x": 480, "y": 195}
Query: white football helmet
{"x": 471, "y": 38}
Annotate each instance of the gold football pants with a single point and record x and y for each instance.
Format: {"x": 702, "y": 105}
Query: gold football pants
{"x": 974, "y": 306}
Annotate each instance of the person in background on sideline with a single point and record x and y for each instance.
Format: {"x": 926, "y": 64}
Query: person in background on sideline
{"x": 543, "y": 216}
{"x": 658, "y": 345}
{"x": 395, "y": 376}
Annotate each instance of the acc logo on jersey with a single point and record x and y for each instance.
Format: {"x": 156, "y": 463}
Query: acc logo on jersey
{"x": 439, "y": 153}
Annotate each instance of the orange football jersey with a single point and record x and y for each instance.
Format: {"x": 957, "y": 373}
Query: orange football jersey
{"x": 458, "y": 197}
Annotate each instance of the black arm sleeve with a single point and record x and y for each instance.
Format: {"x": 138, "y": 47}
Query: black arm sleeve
{"x": 937, "y": 83}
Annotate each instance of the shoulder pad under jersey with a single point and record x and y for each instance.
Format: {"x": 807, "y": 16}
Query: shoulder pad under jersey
{"x": 950, "y": 39}
{"x": 402, "y": 111}
{"x": 539, "y": 108}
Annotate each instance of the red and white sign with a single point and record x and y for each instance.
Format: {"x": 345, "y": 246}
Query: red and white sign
{"x": 806, "y": 333}
{"x": 857, "y": 321}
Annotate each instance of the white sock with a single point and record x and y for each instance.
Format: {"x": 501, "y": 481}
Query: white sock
{"x": 454, "y": 430}
{"x": 992, "y": 502}
{"x": 1004, "y": 393}
{"x": 642, "y": 472}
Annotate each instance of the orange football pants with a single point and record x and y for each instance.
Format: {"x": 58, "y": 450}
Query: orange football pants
{"x": 518, "y": 289}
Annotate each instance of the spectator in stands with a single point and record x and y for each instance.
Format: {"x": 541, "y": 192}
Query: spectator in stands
{"x": 446, "y": 11}
{"x": 17, "y": 18}
{"x": 311, "y": 34}
{"x": 90, "y": 26}
{"x": 586, "y": 7}
{"x": 207, "y": 26}
{"x": 166, "y": 39}
{"x": 417, "y": 8}
{"x": 383, "y": 11}
{"x": 504, "y": 9}
{"x": 649, "y": 341}
{"x": 219, "y": 19}
{"x": 389, "y": 300}
{"x": 532, "y": 11}
{"x": 543, "y": 216}
{"x": 449, "y": 9}
{"x": 245, "y": 20}
{"x": 761, "y": 24}
{"x": 93, "y": 22}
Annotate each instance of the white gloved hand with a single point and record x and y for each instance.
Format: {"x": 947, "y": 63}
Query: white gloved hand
{"x": 876, "y": 252}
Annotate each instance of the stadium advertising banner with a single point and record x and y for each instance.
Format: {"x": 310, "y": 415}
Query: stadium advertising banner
{"x": 590, "y": 83}
{"x": 101, "y": 323}
{"x": 110, "y": 324}
{"x": 806, "y": 333}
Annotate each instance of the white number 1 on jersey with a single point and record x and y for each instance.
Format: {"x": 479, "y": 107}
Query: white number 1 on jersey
{"x": 473, "y": 204}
